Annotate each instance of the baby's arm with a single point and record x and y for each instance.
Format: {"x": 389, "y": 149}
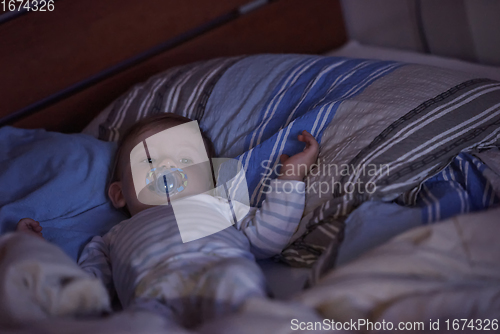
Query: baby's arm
{"x": 270, "y": 228}
{"x": 95, "y": 260}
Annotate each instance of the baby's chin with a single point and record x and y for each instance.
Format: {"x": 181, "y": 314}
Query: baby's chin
{"x": 148, "y": 197}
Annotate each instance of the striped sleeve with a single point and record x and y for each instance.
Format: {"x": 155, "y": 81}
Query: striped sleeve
{"x": 270, "y": 227}
{"x": 95, "y": 261}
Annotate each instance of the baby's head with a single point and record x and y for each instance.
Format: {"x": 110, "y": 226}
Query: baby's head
{"x": 164, "y": 142}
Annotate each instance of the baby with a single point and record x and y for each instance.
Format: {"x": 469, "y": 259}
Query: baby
{"x": 144, "y": 259}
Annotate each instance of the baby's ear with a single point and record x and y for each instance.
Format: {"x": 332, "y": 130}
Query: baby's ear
{"x": 116, "y": 195}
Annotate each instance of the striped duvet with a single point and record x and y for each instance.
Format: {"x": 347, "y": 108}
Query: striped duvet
{"x": 383, "y": 127}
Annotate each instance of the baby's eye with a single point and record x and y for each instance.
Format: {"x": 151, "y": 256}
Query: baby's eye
{"x": 148, "y": 161}
{"x": 186, "y": 161}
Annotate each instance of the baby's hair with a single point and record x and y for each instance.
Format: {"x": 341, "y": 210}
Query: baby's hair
{"x": 151, "y": 122}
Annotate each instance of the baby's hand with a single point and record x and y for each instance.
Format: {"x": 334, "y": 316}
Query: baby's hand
{"x": 28, "y": 225}
{"x": 297, "y": 166}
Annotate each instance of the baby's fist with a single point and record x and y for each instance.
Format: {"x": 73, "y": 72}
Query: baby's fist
{"x": 297, "y": 166}
{"x": 28, "y": 225}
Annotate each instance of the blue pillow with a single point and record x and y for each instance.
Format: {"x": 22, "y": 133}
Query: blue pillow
{"x": 59, "y": 180}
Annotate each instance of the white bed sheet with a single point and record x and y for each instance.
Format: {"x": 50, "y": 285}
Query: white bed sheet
{"x": 354, "y": 49}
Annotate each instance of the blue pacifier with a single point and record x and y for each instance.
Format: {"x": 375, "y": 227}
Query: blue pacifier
{"x": 163, "y": 180}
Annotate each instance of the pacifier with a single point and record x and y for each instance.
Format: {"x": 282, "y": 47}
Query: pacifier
{"x": 164, "y": 180}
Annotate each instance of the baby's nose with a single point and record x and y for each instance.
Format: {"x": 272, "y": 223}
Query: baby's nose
{"x": 168, "y": 162}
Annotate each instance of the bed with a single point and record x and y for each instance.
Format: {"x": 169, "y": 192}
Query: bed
{"x": 423, "y": 130}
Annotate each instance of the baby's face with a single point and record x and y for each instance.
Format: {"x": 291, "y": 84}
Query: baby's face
{"x": 179, "y": 149}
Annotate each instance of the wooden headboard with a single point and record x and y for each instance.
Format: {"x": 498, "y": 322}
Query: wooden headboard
{"x": 59, "y": 69}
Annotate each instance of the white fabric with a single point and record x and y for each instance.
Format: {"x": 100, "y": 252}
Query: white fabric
{"x": 447, "y": 270}
{"x": 354, "y": 49}
{"x": 126, "y": 322}
{"x": 268, "y": 316}
{"x": 39, "y": 281}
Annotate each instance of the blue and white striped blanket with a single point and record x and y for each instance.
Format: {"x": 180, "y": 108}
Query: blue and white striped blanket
{"x": 413, "y": 119}
{"x": 305, "y": 95}
{"x": 466, "y": 185}
{"x": 460, "y": 188}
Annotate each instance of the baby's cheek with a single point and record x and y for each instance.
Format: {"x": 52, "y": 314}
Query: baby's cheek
{"x": 199, "y": 179}
{"x": 138, "y": 177}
